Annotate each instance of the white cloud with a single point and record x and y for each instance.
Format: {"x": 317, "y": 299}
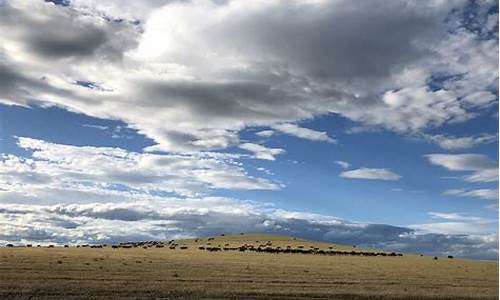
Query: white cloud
{"x": 454, "y": 216}
{"x": 465, "y": 228}
{"x": 172, "y": 218}
{"x": 457, "y": 223}
{"x": 265, "y": 133}
{"x": 371, "y": 173}
{"x": 100, "y": 127}
{"x": 455, "y": 143}
{"x": 303, "y": 133}
{"x": 475, "y": 193}
{"x": 483, "y": 169}
{"x": 262, "y": 152}
{"x": 104, "y": 170}
{"x": 343, "y": 164}
{"x": 242, "y": 65}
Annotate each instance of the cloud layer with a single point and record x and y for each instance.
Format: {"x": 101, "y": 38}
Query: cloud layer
{"x": 177, "y": 218}
{"x": 403, "y": 66}
{"x": 104, "y": 170}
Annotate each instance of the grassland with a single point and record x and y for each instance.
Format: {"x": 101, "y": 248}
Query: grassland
{"x": 163, "y": 273}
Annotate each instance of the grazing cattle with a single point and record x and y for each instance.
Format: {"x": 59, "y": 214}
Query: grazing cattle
{"x": 51, "y": 246}
{"x": 184, "y": 247}
{"x": 9, "y": 245}
{"x": 66, "y": 246}
{"x": 450, "y": 256}
{"x": 435, "y": 258}
{"x": 210, "y": 238}
{"x": 29, "y": 245}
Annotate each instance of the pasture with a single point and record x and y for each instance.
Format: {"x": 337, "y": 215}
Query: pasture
{"x": 183, "y": 271}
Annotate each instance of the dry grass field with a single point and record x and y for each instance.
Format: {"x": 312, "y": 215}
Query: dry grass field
{"x": 164, "y": 273}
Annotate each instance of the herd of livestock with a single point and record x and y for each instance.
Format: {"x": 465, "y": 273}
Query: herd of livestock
{"x": 267, "y": 247}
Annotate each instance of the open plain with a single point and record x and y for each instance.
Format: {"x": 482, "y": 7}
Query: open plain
{"x": 155, "y": 271}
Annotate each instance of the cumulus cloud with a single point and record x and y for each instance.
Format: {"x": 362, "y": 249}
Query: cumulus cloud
{"x": 262, "y": 152}
{"x": 456, "y": 143}
{"x": 172, "y": 218}
{"x": 475, "y": 193}
{"x": 303, "y": 133}
{"x": 226, "y": 65}
{"x": 370, "y": 173}
{"x": 483, "y": 169}
{"x": 105, "y": 171}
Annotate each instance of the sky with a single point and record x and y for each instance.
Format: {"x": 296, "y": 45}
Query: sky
{"x": 372, "y": 123}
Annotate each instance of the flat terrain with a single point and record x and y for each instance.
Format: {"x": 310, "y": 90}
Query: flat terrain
{"x": 163, "y": 273}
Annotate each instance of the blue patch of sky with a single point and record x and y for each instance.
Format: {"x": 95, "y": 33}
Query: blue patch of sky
{"x": 57, "y": 125}
{"x": 313, "y": 184}
{"x": 60, "y": 2}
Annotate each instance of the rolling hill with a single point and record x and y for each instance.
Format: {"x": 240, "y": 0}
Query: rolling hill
{"x": 283, "y": 268}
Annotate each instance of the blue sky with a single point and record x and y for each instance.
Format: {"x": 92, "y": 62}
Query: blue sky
{"x": 313, "y": 126}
